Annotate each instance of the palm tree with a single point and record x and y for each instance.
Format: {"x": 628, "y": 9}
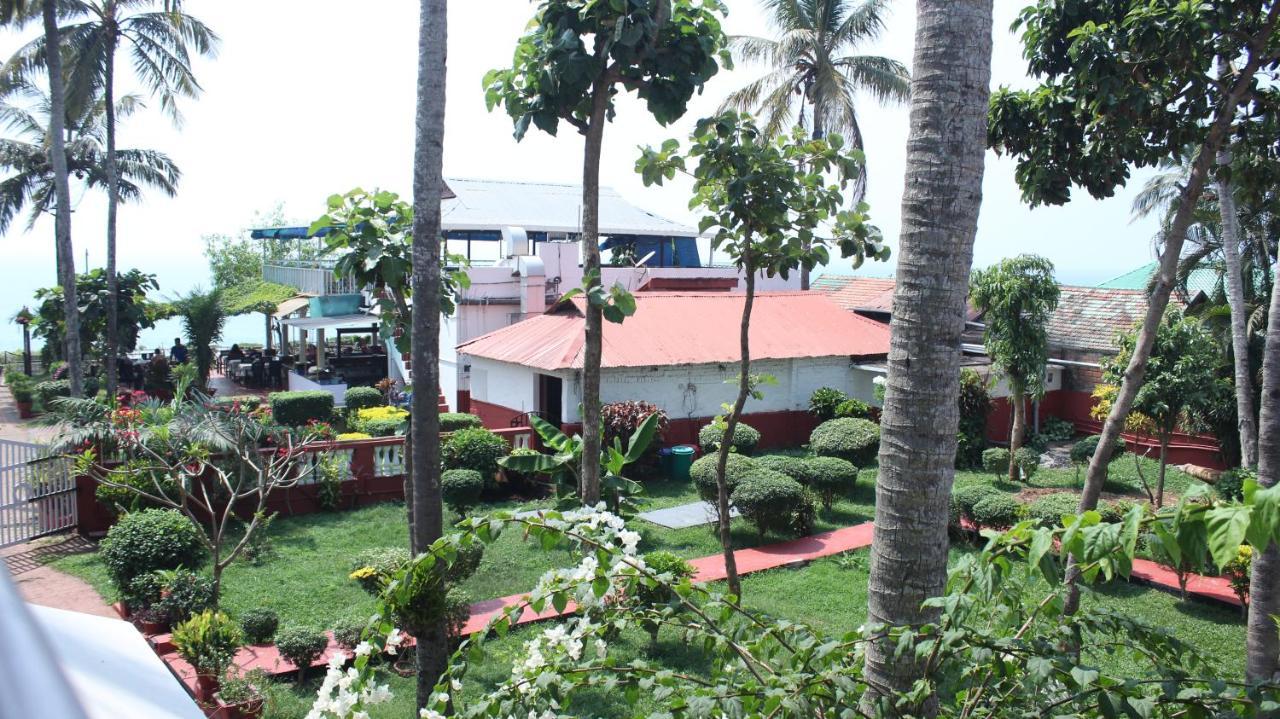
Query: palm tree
{"x": 159, "y": 44}
{"x": 426, "y": 514}
{"x": 30, "y": 182}
{"x": 945, "y": 151}
{"x": 813, "y": 70}
{"x": 19, "y": 12}
{"x": 203, "y": 318}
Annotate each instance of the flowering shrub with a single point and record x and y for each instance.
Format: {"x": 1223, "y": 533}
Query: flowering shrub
{"x": 353, "y": 436}
{"x": 384, "y": 421}
{"x": 1239, "y": 572}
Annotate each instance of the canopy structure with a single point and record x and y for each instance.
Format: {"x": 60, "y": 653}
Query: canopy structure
{"x": 289, "y": 306}
{"x": 339, "y": 322}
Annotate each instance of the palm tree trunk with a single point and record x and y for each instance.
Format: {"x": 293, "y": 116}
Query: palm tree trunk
{"x": 1017, "y": 429}
{"x": 113, "y": 184}
{"x": 1245, "y": 413}
{"x": 1262, "y": 643}
{"x": 428, "y": 515}
{"x": 593, "y": 345}
{"x": 1164, "y": 463}
{"x": 726, "y": 442}
{"x": 819, "y": 131}
{"x": 946, "y": 148}
{"x": 1159, "y": 301}
{"x": 62, "y": 190}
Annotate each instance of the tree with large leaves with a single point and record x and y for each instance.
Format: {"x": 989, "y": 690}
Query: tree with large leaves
{"x": 570, "y": 65}
{"x": 135, "y": 310}
{"x": 30, "y": 184}
{"x": 1016, "y": 297}
{"x": 18, "y": 12}
{"x": 815, "y": 73}
{"x": 766, "y": 199}
{"x": 945, "y": 156}
{"x": 1130, "y": 83}
{"x": 159, "y": 44}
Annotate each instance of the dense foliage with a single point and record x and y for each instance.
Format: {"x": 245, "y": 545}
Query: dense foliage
{"x": 358, "y": 398}
{"x": 475, "y": 448}
{"x": 461, "y": 489}
{"x": 150, "y": 540}
{"x": 301, "y": 646}
{"x": 745, "y": 438}
{"x": 703, "y": 473}
{"x": 296, "y": 409}
{"x": 824, "y": 401}
{"x": 853, "y": 440}
{"x": 454, "y": 421}
{"x": 259, "y": 625}
{"x": 974, "y": 405}
{"x": 773, "y": 502}
{"x": 208, "y": 641}
{"x": 829, "y": 477}
{"x": 135, "y": 311}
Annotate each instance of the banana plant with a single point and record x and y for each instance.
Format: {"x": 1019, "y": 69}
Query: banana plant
{"x": 564, "y": 460}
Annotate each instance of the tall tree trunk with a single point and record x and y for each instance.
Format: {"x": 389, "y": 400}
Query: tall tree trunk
{"x": 946, "y": 146}
{"x": 1164, "y": 464}
{"x": 1262, "y": 643}
{"x": 1246, "y": 419}
{"x": 62, "y": 192}
{"x": 819, "y": 131}
{"x": 726, "y": 442}
{"x": 1017, "y": 429}
{"x": 113, "y": 200}
{"x": 428, "y": 515}
{"x": 592, "y": 349}
{"x": 1159, "y": 301}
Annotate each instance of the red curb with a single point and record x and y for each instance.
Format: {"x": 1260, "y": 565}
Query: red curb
{"x": 1217, "y": 589}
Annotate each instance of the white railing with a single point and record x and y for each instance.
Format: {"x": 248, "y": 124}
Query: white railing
{"x": 311, "y": 277}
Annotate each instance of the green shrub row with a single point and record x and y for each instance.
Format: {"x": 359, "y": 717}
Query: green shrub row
{"x": 295, "y": 409}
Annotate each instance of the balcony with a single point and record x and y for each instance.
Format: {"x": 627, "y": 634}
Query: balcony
{"x": 309, "y": 277}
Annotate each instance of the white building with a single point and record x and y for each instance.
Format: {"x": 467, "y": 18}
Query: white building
{"x": 680, "y": 351}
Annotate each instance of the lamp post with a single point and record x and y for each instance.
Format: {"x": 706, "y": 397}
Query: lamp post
{"x": 24, "y": 318}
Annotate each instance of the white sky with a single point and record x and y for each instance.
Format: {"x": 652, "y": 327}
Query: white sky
{"x": 312, "y": 97}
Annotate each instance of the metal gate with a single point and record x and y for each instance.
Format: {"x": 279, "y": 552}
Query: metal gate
{"x": 37, "y": 492}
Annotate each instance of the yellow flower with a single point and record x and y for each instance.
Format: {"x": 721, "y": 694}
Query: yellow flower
{"x": 380, "y": 413}
{"x": 364, "y": 573}
{"x": 353, "y": 435}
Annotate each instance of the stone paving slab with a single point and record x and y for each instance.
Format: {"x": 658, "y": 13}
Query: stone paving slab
{"x": 686, "y": 515}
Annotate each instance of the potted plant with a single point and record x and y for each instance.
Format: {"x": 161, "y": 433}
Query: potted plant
{"x": 23, "y": 396}
{"x": 208, "y": 642}
{"x": 152, "y": 620}
{"x": 241, "y": 697}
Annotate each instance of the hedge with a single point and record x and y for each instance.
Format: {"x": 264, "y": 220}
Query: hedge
{"x": 703, "y": 473}
{"x": 461, "y": 489}
{"x": 773, "y": 502}
{"x": 996, "y": 511}
{"x": 745, "y": 438}
{"x": 853, "y": 440}
{"x": 475, "y": 448}
{"x": 996, "y": 461}
{"x": 381, "y": 421}
{"x": 454, "y": 421}
{"x": 295, "y": 409}
{"x": 796, "y": 468}
{"x": 358, "y": 398}
{"x": 963, "y": 499}
{"x": 1082, "y": 451}
{"x": 1047, "y": 511}
{"x": 259, "y": 625}
{"x": 830, "y": 476}
{"x": 146, "y": 541}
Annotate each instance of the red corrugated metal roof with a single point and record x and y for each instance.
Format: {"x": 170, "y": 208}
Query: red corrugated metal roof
{"x": 676, "y": 328}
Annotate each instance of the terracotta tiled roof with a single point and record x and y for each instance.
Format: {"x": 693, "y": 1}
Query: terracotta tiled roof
{"x": 1089, "y": 318}
{"x": 858, "y": 293}
{"x": 676, "y": 328}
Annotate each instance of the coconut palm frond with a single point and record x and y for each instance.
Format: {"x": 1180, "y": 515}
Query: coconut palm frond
{"x": 862, "y": 23}
{"x": 886, "y": 80}
{"x": 749, "y": 48}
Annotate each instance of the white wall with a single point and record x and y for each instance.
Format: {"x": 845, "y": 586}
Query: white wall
{"x": 700, "y": 390}
{"x": 503, "y": 383}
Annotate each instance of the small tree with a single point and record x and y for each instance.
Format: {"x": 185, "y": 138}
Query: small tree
{"x": 1016, "y": 297}
{"x": 766, "y": 199}
{"x": 210, "y": 464}
{"x": 568, "y": 66}
{"x": 1182, "y": 380}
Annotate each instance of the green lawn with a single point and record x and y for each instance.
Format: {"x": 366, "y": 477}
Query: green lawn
{"x": 305, "y": 581}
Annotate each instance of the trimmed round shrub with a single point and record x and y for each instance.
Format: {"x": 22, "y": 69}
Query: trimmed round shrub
{"x": 358, "y": 398}
{"x": 745, "y": 438}
{"x": 475, "y": 448}
{"x": 1230, "y": 484}
{"x": 246, "y": 402}
{"x": 771, "y": 500}
{"x": 853, "y": 440}
{"x": 854, "y": 408}
{"x": 999, "y": 510}
{"x": 296, "y": 409}
{"x": 208, "y": 642}
{"x": 150, "y": 540}
{"x": 1082, "y": 451}
{"x": 796, "y": 468}
{"x": 301, "y": 646}
{"x": 703, "y": 473}
{"x": 964, "y": 498}
{"x": 259, "y": 625}
{"x": 454, "y": 421}
{"x": 1047, "y": 511}
{"x": 1028, "y": 461}
{"x": 348, "y": 632}
{"x": 824, "y": 401}
{"x": 371, "y": 567}
{"x": 996, "y": 461}
{"x": 830, "y": 476}
{"x": 461, "y": 489}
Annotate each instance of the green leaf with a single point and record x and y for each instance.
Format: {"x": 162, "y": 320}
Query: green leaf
{"x": 641, "y": 438}
{"x": 1264, "y": 524}
{"x": 1227, "y": 527}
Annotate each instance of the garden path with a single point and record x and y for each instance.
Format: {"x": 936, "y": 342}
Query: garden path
{"x": 46, "y": 586}
{"x": 14, "y": 428}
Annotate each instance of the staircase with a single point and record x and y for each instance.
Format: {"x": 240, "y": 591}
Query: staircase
{"x": 405, "y": 366}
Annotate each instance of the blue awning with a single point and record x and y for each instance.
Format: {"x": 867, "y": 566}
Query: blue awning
{"x": 287, "y": 233}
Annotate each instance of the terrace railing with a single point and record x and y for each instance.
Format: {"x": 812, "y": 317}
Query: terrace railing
{"x": 312, "y": 277}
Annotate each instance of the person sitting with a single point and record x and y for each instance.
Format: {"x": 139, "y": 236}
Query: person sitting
{"x": 157, "y": 383}
{"x": 178, "y": 352}
{"x": 235, "y": 353}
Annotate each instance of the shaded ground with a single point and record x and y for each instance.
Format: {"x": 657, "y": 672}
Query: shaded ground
{"x": 46, "y": 586}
